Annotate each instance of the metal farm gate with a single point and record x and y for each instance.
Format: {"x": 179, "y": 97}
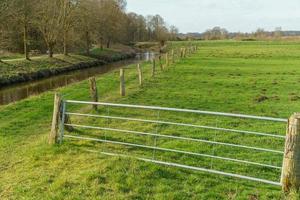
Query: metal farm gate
{"x": 212, "y": 142}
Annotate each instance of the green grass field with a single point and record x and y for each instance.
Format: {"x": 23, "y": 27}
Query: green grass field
{"x": 258, "y": 78}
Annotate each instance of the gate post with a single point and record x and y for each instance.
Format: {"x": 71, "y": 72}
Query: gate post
{"x": 54, "y": 135}
{"x": 290, "y": 177}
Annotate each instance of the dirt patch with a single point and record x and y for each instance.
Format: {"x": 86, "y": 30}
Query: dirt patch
{"x": 276, "y": 98}
{"x": 264, "y": 90}
{"x": 261, "y": 98}
{"x": 294, "y": 98}
{"x": 275, "y": 82}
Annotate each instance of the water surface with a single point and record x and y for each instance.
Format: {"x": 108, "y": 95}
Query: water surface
{"x": 23, "y": 90}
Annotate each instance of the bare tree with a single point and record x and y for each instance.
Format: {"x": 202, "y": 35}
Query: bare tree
{"x": 260, "y": 33}
{"x": 217, "y": 33}
{"x": 110, "y": 20}
{"x": 86, "y": 22}
{"x": 157, "y": 25}
{"x": 20, "y": 13}
{"x": 173, "y": 32}
{"x": 278, "y": 32}
{"x": 68, "y": 20}
{"x": 73, "y": 24}
{"x": 50, "y": 22}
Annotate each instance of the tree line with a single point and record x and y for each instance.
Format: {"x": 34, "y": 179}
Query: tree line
{"x": 71, "y": 25}
{"x": 218, "y": 33}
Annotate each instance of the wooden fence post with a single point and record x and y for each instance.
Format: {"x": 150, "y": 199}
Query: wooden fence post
{"x": 54, "y": 135}
{"x": 181, "y": 53}
{"x": 153, "y": 67}
{"x": 122, "y": 82}
{"x": 140, "y": 74}
{"x": 290, "y": 177}
{"x": 167, "y": 59}
{"x": 160, "y": 63}
{"x": 173, "y": 56}
{"x": 94, "y": 91}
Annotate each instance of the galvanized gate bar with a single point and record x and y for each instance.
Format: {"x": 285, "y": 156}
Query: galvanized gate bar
{"x": 174, "y": 150}
{"x": 192, "y": 168}
{"x": 179, "y": 124}
{"x": 177, "y": 137}
{"x": 181, "y": 110}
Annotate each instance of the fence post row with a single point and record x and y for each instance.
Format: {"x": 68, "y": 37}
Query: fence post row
{"x": 290, "y": 178}
{"x": 140, "y": 74}
{"x": 94, "y": 91}
{"x": 122, "y": 82}
{"x": 54, "y": 135}
{"x": 58, "y": 114}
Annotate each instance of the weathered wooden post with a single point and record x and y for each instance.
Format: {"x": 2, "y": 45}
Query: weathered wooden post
{"x": 181, "y": 52}
{"x": 173, "y": 56}
{"x": 290, "y": 177}
{"x": 167, "y": 59}
{"x": 153, "y": 67}
{"x": 160, "y": 63}
{"x": 54, "y": 134}
{"x": 122, "y": 82}
{"x": 140, "y": 74}
{"x": 94, "y": 91}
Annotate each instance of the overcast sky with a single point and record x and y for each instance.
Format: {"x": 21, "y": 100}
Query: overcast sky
{"x": 235, "y": 15}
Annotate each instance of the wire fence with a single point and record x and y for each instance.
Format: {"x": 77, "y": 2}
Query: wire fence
{"x": 242, "y": 146}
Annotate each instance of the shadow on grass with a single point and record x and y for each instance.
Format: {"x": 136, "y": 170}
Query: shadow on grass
{"x": 63, "y": 61}
{"x": 6, "y": 63}
{"x": 76, "y": 58}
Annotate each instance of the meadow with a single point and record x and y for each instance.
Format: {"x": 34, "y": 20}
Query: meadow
{"x": 257, "y": 78}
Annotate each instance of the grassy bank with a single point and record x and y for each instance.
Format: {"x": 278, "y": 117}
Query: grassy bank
{"x": 259, "y": 78}
{"x": 21, "y": 70}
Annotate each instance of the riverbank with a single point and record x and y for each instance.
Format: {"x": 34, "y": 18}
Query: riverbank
{"x": 19, "y": 70}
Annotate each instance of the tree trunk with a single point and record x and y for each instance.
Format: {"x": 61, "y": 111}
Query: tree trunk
{"x": 87, "y": 37}
{"x": 65, "y": 43}
{"x": 108, "y": 44}
{"x": 101, "y": 43}
{"x": 25, "y": 41}
{"x": 50, "y": 51}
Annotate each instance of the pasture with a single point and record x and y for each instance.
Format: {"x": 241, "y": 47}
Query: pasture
{"x": 257, "y": 78}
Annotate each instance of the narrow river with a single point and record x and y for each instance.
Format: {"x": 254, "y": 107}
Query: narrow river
{"x": 23, "y": 90}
